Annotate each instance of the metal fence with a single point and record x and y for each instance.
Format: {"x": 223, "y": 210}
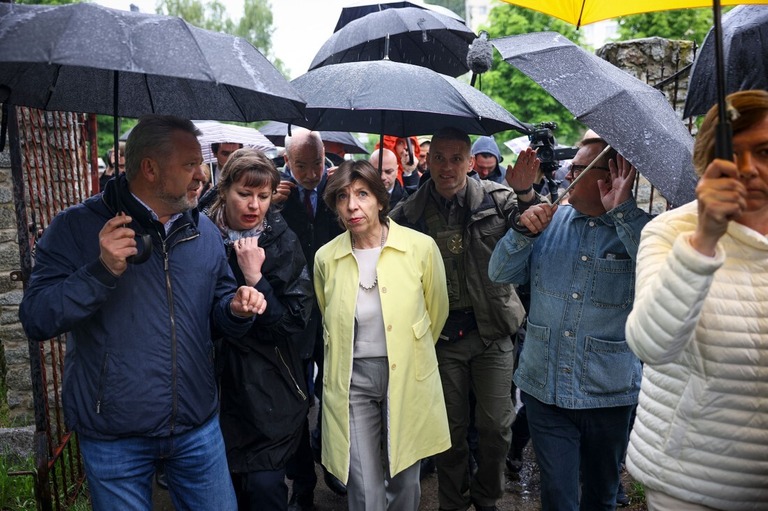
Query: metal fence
{"x": 51, "y": 171}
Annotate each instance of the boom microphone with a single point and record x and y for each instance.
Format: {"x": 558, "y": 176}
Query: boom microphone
{"x": 479, "y": 56}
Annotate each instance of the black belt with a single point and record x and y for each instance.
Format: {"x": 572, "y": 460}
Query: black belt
{"x": 458, "y": 325}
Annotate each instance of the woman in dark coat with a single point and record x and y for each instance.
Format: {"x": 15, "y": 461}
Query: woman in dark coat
{"x": 264, "y": 399}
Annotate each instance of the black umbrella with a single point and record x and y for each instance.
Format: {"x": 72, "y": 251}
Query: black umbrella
{"x": 397, "y": 99}
{"x": 630, "y": 115}
{"x": 409, "y": 34}
{"x": 353, "y": 12}
{"x": 88, "y": 58}
{"x": 745, "y": 54}
{"x": 276, "y": 131}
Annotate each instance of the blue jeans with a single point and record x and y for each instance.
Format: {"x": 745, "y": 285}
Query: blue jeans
{"x": 590, "y": 442}
{"x": 120, "y": 471}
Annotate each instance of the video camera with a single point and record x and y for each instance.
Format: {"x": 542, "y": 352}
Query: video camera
{"x": 543, "y": 141}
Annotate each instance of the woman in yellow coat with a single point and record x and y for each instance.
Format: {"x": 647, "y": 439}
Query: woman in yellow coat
{"x": 382, "y": 292}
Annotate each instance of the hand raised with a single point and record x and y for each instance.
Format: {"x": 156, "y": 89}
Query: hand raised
{"x": 722, "y": 197}
{"x": 523, "y": 174}
{"x": 618, "y": 188}
{"x": 250, "y": 258}
{"x": 283, "y": 191}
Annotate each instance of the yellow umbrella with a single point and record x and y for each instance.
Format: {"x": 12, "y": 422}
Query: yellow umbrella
{"x": 584, "y": 12}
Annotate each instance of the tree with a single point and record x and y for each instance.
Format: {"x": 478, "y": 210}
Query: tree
{"x": 515, "y": 91}
{"x": 686, "y": 24}
{"x": 255, "y": 25}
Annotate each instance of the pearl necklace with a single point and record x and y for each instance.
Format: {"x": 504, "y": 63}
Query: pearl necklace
{"x": 376, "y": 280}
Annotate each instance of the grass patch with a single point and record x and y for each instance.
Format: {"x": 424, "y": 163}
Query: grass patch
{"x": 636, "y": 493}
{"x": 5, "y": 410}
{"x": 16, "y": 492}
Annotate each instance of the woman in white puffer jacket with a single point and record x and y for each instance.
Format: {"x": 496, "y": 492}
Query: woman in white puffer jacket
{"x": 700, "y": 325}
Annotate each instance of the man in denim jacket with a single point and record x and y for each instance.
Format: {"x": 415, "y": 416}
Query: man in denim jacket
{"x": 578, "y": 377}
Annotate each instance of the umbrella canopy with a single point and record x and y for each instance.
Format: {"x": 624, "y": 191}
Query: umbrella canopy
{"x": 409, "y": 34}
{"x": 630, "y": 115}
{"x": 397, "y": 99}
{"x": 214, "y": 131}
{"x": 745, "y": 50}
{"x": 276, "y": 131}
{"x": 364, "y": 7}
{"x": 75, "y": 57}
{"x": 584, "y": 12}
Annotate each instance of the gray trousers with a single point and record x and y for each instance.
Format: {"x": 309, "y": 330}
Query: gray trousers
{"x": 370, "y": 487}
{"x": 487, "y": 370}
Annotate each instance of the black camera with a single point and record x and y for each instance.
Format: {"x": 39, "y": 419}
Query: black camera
{"x": 543, "y": 141}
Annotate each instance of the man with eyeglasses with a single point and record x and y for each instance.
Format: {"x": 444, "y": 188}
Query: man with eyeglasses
{"x": 578, "y": 377}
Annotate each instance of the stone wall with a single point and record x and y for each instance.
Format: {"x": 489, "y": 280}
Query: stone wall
{"x": 14, "y": 355}
{"x": 653, "y": 60}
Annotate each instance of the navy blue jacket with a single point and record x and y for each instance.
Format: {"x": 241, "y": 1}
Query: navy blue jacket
{"x": 139, "y": 356}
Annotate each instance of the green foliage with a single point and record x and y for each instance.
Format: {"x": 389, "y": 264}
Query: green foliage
{"x": 515, "y": 91}
{"x": 105, "y": 127}
{"x": 255, "y": 24}
{"x": 686, "y": 24}
{"x": 636, "y": 492}
{"x": 16, "y": 492}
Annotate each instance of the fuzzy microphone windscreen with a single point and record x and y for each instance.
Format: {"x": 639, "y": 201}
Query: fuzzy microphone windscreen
{"x": 480, "y": 54}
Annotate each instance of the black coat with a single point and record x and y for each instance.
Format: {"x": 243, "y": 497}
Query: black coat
{"x": 264, "y": 398}
{"x": 312, "y": 235}
{"x": 317, "y": 233}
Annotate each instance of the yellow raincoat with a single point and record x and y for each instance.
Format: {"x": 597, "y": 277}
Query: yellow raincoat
{"x": 414, "y": 299}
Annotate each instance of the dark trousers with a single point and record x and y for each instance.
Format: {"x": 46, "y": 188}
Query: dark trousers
{"x": 264, "y": 490}
{"x": 301, "y": 466}
{"x": 590, "y": 442}
{"x": 487, "y": 370}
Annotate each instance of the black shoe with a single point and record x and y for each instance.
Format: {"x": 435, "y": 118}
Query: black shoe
{"x": 514, "y": 464}
{"x": 478, "y": 507}
{"x": 301, "y": 502}
{"x": 426, "y": 467}
{"x": 621, "y": 496}
{"x": 332, "y": 482}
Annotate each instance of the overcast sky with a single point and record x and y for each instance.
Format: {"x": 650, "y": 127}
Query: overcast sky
{"x": 301, "y": 26}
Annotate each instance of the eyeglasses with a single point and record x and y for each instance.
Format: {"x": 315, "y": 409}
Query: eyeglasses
{"x": 578, "y": 169}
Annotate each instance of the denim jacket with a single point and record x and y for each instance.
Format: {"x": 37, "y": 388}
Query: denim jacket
{"x": 582, "y": 275}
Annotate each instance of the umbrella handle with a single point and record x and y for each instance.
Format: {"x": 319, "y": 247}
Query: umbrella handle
{"x": 144, "y": 252}
{"x": 723, "y": 132}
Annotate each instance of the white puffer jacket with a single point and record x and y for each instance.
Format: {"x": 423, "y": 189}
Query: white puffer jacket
{"x": 700, "y": 325}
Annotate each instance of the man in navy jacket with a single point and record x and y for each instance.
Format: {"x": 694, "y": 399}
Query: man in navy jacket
{"x": 139, "y": 383}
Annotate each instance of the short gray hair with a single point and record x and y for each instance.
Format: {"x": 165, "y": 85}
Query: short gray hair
{"x": 151, "y": 138}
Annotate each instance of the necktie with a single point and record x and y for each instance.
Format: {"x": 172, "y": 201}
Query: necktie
{"x": 308, "y": 204}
